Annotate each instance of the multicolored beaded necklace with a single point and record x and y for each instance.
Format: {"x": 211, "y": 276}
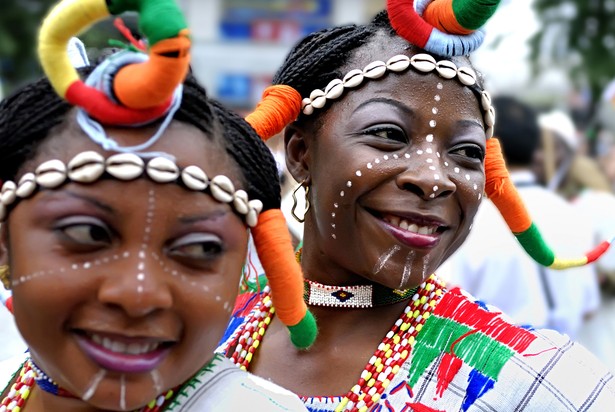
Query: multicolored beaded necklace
{"x": 30, "y": 374}
{"x": 382, "y": 366}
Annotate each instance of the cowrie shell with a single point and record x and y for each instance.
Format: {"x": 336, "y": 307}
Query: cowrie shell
{"x": 51, "y": 173}
{"x": 8, "y": 195}
{"x": 490, "y": 117}
{"x": 256, "y": 206}
{"x": 195, "y": 178}
{"x": 86, "y": 167}
{"x": 318, "y": 98}
{"x": 222, "y": 189}
{"x": 306, "y": 106}
{"x": 125, "y": 166}
{"x": 334, "y": 89}
{"x": 423, "y": 62}
{"x": 489, "y": 132}
{"x": 466, "y": 76}
{"x": 26, "y": 186}
{"x": 162, "y": 170}
{"x": 375, "y": 69}
{"x": 446, "y": 69}
{"x": 353, "y": 78}
{"x": 241, "y": 202}
{"x": 398, "y": 63}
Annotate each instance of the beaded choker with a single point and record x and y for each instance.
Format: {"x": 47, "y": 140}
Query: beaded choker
{"x": 30, "y": 374}
{"x": 360, "y": 296}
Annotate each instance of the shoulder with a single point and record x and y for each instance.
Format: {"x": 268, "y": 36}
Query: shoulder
{"x": 222, "y": 386}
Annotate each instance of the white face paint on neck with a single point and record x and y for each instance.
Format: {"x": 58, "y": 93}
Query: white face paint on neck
{"x": 93, "y": 385}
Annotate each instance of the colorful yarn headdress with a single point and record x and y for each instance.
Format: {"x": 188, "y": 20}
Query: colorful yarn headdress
{"x": 132, "y": 88}
{"x": 442, "y": 28}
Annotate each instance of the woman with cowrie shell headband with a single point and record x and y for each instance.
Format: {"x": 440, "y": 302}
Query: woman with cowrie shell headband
{"x": 388, "y": 126}
{"x": 126, "y": 213}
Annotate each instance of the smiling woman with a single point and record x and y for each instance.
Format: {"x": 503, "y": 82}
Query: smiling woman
{"x": 124, "y": 232}
{"x": 389, "y": 128}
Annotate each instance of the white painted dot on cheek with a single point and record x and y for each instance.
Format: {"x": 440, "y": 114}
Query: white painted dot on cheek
{"x": 139, "y": 289}
{"x": 428, "y": 150}
{"x": 438, "y": 154}
{"x": 335, "y": 205}
{"x": 456, "y": 170}
{"x": 446, "y": 164}
{"x": 467, "y": 177}
{"x": 432, "y": 168}
{"x": 385, "y": 157}
{"x": 440, "y": 86}
{"x": 436, "y": 177}
{"x": 429, "y": 160}
{"x": 342, "y": 193}
{"x": 432, "y": 195}
{"x": 87, "y": 265}
{"x": 419, "y": 152}
{"x": 75, "y": 266}
{"x": 333, "y": 215}
{"x": 333, "y": 236}
{"x": 369, "y": 166}
{"x": 433, "y": 123}
{"x": 435, "y": 188}
{"x": 349, "y": 183}
{"x": 475, "y": 186}
{"x": 407, "y": 155}
{"x": 358, "y": 173}
{"x": 141, "y": 277}
{"x": 434, "y": 110}
{"x": 377, "y": 161}
{"x": 437, "y": 98}
{"x": 395, "y": 156}
{"x": 480, "y": 195}
{"x": 429, "y": 138}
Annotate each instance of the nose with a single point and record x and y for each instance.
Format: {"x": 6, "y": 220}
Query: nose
{"x": 426, "y": 176}
{"x": 137, "y": 286}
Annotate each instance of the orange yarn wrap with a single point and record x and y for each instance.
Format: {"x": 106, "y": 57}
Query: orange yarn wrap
{"x": 440, "y": 14}
{"x": 502, "y": 192}
{"x": 275, "y": 251}
{"x": 149, "y": 84}
{"x": 279, "y": 106}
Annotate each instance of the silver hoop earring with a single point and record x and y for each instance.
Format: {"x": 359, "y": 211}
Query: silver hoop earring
{"x": 296, "y": 203}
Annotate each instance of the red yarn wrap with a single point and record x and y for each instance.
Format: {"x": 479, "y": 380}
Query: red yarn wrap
{"x": 98, "y": 105}
{"x": 274, "y": 247}
{"x": 407, "y": 23}
{"x": 279, "y": 106}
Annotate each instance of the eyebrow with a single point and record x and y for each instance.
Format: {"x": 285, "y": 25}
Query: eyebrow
{"x": 97, "y": 203}
{"x": 468, "y": 122}
{"x": 205, "y": 216}
{"x": 407, "y": 110}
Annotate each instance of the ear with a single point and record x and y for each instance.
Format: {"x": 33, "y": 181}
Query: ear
{"x": 298, "y": 158}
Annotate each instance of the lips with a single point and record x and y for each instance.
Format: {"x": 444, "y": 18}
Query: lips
{"x": 413, "y": 231}
{"x": 123, "y": 354}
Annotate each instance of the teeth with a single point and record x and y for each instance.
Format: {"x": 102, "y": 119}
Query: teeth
{"x": 403, "y": 224}
{"x": 413, "y": 228}
{"x": 121, "y": 347}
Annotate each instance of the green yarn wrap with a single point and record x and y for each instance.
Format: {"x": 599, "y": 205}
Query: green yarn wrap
{"x": 303, "y": 334}
{"x": 531, "y": 240}
{"x": 158, "y": 19}
{"x": 473, "y": 14}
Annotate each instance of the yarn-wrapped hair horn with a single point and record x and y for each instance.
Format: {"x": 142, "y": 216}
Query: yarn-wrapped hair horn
{"x": 132, "y": 99}
{"x": 443, "y": 27}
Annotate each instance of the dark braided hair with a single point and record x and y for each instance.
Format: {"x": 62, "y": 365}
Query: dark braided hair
{"x": 319, "y": 57}
{"x": 28, "y": 116}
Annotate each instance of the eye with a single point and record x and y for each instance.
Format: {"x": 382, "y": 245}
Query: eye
{"x": 84, "y": 231}
{"x": 197, "y": 247}
{"x": 388, "y": 132}
{"x": 472, "y": 151}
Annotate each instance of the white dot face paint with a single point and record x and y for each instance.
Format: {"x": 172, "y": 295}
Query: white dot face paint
{"x": 358, "y": 173}
{"x": 429, "y": 138}
{"x": 349, "y": 184}
{"x": 432, "y": 123}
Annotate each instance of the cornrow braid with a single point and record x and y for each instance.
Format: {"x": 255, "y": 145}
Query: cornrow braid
{"x": 319, "y": 57}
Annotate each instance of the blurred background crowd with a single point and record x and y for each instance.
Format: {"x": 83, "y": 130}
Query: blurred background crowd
{"x": 556, "y": 57}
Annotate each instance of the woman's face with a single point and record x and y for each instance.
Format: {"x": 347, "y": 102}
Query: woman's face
{"x": 396, "y": 173}
{"x": 123, "y": 289}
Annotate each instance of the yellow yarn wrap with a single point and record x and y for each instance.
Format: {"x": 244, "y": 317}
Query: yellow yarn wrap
{"x": 560, "y": 264}
{"x": 67, "y": 19}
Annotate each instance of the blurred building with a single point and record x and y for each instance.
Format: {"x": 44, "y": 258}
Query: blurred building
{"x": 238, "y": 44}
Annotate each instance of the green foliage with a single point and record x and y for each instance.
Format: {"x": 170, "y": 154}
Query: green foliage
{"x": 578, "y": 36}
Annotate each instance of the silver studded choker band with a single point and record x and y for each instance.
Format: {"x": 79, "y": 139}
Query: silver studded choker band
{"x": 89, "y": 167}
{"x": 423, "y": 63}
